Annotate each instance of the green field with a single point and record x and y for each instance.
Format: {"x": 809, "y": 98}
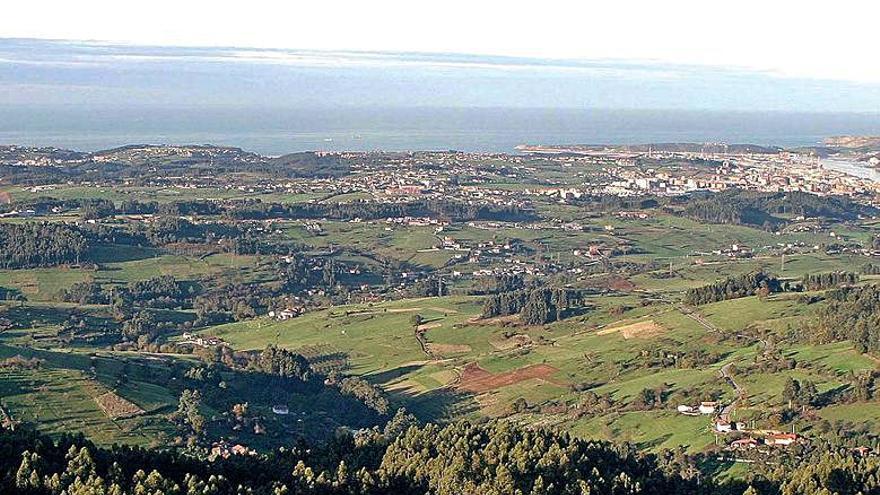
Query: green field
{"x": 632, "y": 337}
{"x": 123, "y": 265}
{"x": 380, "y": 344}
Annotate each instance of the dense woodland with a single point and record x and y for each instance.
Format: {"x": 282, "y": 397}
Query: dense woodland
{"x": 34, "y": 244}
{"x": 535, "y": 306}
{"x": 403, "y": 458}
{"x": 850, "y": 313}
{"x": 770, "y": 210}
{"x": 734, "y": 287}
{"x": 453, "y": 211}
{"x": 460, "y": 458}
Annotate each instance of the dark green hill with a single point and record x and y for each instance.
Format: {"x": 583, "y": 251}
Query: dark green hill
{"x": 312, "y": 165}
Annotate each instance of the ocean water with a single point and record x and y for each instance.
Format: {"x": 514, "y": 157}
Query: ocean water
{"x": 276, "y": 131}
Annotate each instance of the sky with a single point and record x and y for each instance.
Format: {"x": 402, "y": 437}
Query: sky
{"x": 747, "y": 55}
{"x": 791, "y": 38}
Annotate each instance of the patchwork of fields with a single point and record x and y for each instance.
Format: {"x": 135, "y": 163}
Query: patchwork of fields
{"x": 588, "y": 374}
{"x": 481, "y": 368}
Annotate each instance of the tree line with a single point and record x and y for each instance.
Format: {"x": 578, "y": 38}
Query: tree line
{"x": 849, "y": 313}
{"x": 744, "y": 285}
{"x": 770, "y": 210}
{"x": 820, "y": 281}
{"x": 535, "y": 306}
{"x": 368, "y": 210}
{"x": 404, "y": 458}
{"x": 39, "y": 244}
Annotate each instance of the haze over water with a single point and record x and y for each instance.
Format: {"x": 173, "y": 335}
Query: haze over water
{"x": 277, "y": 131}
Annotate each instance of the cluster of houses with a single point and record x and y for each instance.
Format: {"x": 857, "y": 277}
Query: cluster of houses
{"x": 287, "y": 313}
{"x": 708, "y": 407}
{"x": 225, "y": 450}
{"x": 771, "y": 438}
{"x": 768, "y": 172}
{"x": 734, "y": 251}
{"x": 200, "y": 340}
{"x": 416, "y": 221}
{"x": 404, "y": 190}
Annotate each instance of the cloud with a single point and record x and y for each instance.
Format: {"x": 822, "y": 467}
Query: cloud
{"x": 63, "y": 53}
{"x": 60, "y": 70}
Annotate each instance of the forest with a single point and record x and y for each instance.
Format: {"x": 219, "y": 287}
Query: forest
{"x": 448, "y": 210}
{"x": 535, "y": 306}
{"x": 406, "y": 458}
{"x": 733, "y": 287}
{"x": 35, "y": 244}
{"x": 770, "y": 210}
{"x": 850, "y": 313}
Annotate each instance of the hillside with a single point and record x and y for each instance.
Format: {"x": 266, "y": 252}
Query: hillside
{"x": 657, "y": 147}
{"x": 313, "y": 165}
{"x": 708, "y": 320}
{"x": 863, "y": 143}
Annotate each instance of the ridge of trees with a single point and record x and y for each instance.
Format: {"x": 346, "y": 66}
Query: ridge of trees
{"x": 849, "y": 313}
{"x": 762, "y": 209}
{"x": 400, "y": 459}
{"x": 535, "y": 306}
{"x": 819, "y": 281}
{"x": 33, "y": 244}
{"x": 744, "y": 285}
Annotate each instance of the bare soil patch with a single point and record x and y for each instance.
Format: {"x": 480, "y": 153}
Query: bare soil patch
{"x": 643, "y": 329}
{"x": 497, "y": 320}
{"x": 445, "y": 349}
{"x": 620, "y": 284}
{"x": 476, "y": 379}
{"x": 513, "y": 342}
{"x": 116, "y": 407}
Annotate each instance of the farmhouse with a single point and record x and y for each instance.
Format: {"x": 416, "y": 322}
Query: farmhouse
{"x": 723, "y": 426}
{"x": 744, "y": 443}
{"x": 225, "y": 450}
{"x": 781, "y": 439}
{"x": 202, "y": 341}
{"x": 286, "y": 314}
{"x": 707, "y": 407}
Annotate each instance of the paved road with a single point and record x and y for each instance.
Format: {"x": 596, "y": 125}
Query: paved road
{"x": 692, "y": 314}
{"x": 727, "y": 411}
{"x": 740, "y": 393}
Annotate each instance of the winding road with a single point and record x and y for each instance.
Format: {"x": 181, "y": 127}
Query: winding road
{"x": 727, "y": 411}
{"x": 740, "y": 393}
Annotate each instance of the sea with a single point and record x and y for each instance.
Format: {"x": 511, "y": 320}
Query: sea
{"x": 279, "y": 130}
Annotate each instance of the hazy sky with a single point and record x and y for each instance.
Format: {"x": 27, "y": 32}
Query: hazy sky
{"x": 747, "y": 55}
{"x": 792, "y": 38}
